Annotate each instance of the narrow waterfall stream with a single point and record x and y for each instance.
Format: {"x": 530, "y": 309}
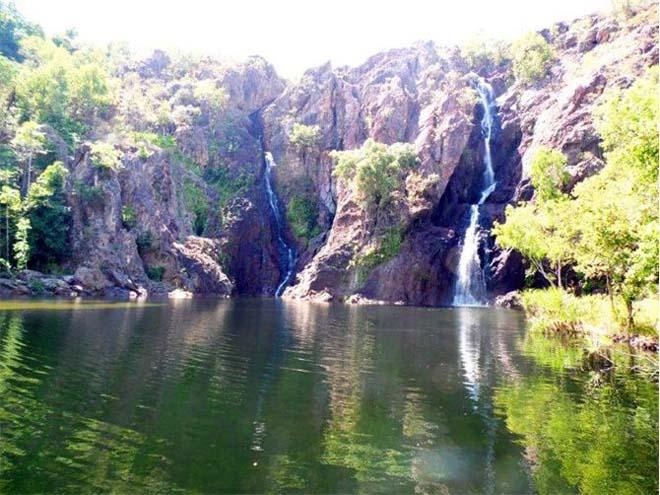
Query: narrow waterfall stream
{"x": 470, "y": 287}
{"x": 287, "y": 253}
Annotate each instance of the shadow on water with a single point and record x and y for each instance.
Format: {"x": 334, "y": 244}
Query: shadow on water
{"x": 267, "y": 395}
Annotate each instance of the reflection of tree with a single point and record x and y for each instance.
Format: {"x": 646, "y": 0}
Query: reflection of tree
{"x": 601, "y": 441}
{"x": 13, "y": 408}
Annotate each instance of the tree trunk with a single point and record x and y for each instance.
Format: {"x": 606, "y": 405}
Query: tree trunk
{"x": 629, "y": 309}
{"x": 26, "y": 179}
{"x": 611, "y": 295}
{"x": 539, "y": 268}
{"x": 559, "y": 275}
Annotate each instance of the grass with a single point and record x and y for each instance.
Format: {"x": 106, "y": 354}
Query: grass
{"x": 557, "y": 311}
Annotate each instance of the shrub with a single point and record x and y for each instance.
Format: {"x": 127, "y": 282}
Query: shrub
{"x": 155, "y": 273}
{"x": 387, "y": 248}
{"x": 227, "y": 184}
{"x": 302, "y": 214}
{"x": 145, "y": 140}
{"x": 105, "y": 156}
{"x": 37, "y": 286}
{"x": 553, "y": 310}
{"x": 128, "y": 217}
{"x": 198, "y": 204}
{"x": 532, "y": 56}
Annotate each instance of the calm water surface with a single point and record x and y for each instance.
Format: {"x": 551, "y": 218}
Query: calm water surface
{"x": 270, "y": 396}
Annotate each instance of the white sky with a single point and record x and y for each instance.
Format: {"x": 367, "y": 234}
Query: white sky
{"x": 295, "y": 34}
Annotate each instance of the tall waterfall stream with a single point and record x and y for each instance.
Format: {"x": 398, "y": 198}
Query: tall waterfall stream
{"x": 470, "y": 289}
{"x": 287, "y": 253}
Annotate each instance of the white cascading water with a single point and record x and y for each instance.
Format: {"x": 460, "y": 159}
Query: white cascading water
{"x": 283, "y": 246}
{"x": 470, "y": 287}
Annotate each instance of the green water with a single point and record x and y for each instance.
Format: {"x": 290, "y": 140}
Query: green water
{"x": 261, "y": 396}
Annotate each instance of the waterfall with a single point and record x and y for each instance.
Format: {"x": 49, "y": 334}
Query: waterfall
{"x": 287, "y": 254}
{"x": 470, "y": 287}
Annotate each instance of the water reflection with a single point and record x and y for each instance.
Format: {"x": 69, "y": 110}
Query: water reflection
{"x": 273, "y": 396}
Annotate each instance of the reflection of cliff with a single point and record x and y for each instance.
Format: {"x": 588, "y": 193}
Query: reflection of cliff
{"x": 349, "y": 441}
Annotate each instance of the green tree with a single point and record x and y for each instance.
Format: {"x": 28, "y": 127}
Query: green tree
{"x": 67, "y": 91}
{"x": 8, "y": 71}
{"x": 548, "y": 173}
{"x": 532, "y": 57}
{"x": 305, "y": 138}
{"x": 618, "y": 235}
{"x": 13, "y": 28}
{"x": 628, "y": 124}
{"x": 10, "y": 199}
{"x": 618, "y": 208}
{"x": 376, "y": 169}
{"x": 49, "y": 217}
{"x": 481, "y": 52}
{"x": 542, "y": 232}
{"x": 28, "y": 142}
{"x": 21, "y": 244}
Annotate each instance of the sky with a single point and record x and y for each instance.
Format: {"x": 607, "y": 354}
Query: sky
{"x": 295, "y": 35}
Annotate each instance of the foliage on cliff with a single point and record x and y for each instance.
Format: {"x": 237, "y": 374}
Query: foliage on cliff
{"x": 377, "y": 170}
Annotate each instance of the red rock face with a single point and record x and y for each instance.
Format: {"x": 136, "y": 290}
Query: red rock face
{"x": 411, "y": 95}
{"x": 420, "y": 95}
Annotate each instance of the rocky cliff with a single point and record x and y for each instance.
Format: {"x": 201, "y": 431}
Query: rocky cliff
{"x": 187, "y": 206}
{"x": 422, "y": 95}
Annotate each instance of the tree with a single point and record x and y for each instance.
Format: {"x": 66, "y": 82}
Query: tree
{"x": 67, "y": 91}
{"x": 609, "y": 229}
{"x": 628, "y": 124}
{"x": 8, "y": 71}
{"x": 376, "y": 169}
{"x": 542, "y": 232}
{"x": 481, "y": 52}
{"x": 28, "y": 142}
{"x": 22, "y": 246}
{"x": 49, "y": 216}
{"x": 548, "y": 173}
{"x": 618, "y": 208}
{"x": 10, "y": 199}
{"x": 305, "y": 138}
{"x": 532, "y": 56}
{"x": 13, "y": 28}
